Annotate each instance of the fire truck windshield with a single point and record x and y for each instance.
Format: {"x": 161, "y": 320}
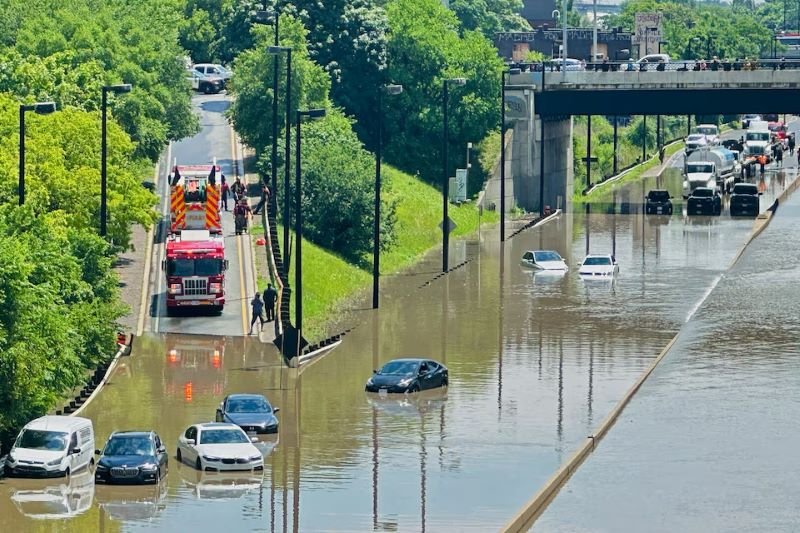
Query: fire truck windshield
{"x": 194, "y": 267}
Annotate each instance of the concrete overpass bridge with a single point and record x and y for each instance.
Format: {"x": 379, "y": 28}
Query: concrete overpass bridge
{"x": 542, "y": 102}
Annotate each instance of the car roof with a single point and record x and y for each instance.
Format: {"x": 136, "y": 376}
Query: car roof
{"x": 131, "y": 434}
{"x": 748, "y": 186}
{"x": 598, "y": 255}
{"x": 245, "y": 396}
{"x": 57, "y": 423}
{"x": 216, "y": 425}
{"x": 660, "y": 191}
{"x": 544, "y": 251}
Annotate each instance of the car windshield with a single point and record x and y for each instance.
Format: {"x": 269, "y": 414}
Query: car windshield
{"x": 222, "y": 436}
{"x": 758, "y": 136}
{"x": 708, "y": 130}
{"x": 34, "y": 439}
{"x": 658, "y": 196}
{"x": 129, "y": 446}
{"x": 194, "y": 267}
{"x": 593, "y": 261}
{"x": 699, "y": 169}
{"x": 696, "y": 138}
{"x": 248, "y": 405}
{"x": 547, "y": 256}
{"x": 702, "y": 193}
{"x": 399, "y": 368}
{"x": 745, "y": 189}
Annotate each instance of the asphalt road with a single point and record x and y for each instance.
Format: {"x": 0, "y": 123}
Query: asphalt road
{"x": 215, "y": 140}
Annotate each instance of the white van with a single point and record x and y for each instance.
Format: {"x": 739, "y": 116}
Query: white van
{"x": 52, "y": 446}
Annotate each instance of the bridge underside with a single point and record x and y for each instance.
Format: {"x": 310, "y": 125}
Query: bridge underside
{"x": 678, "y": 101}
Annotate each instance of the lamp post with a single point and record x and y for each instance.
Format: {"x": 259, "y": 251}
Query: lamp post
{"x": 116, "y": 89}
{"x": 376, "y": 232}
{"x": 564, "y": 40}
{"x": 298, "y": 221}
{"x": 40, "y": 108}
{"x": 446, "y": 179}
{"x": 510, "y": 72}
{"x": 264, "y": 17}
{"x": 286, "y": 175}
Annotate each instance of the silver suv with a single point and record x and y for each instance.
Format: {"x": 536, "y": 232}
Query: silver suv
{"x": 214, "y": 70}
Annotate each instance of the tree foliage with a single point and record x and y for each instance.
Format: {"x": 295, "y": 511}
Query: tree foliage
{"x": 490, "y": 16}
{"x": 422, "y": 56}
{"x": 66, "y": 50}
{"x": 338, "y": 189}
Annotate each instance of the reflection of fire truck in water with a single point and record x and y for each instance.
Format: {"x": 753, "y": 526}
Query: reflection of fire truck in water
{"x": 194, "y": 367}
{"x": 195, "y": 266}
{"x": 194, "y": 198}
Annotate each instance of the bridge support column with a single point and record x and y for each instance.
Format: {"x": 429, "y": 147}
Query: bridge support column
{"x": 688, "y": 125}
{"x": 644, "y": 138}
{"x": 553, "y": 163}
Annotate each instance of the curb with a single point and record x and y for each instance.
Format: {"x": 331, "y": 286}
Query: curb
{"x": 534, "y": 508}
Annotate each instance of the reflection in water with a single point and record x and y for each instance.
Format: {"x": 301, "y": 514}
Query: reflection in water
{"x": 54, "y": 500}
{"x": 132, "y": 503}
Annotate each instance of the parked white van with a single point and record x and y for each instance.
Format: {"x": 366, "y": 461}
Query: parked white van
{"x": 52, "y": 446}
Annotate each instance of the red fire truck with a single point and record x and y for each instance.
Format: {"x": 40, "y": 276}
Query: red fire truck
{"x": 195, "y": 268}
{"x": 194, "y": 198}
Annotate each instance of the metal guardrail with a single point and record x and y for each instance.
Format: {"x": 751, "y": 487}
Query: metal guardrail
{"x": 688, "y": 65}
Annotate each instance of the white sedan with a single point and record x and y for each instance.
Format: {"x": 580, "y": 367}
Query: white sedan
{"x": 598, "y": 267}
{"x": 219, "y": 446}
{"x": 546, "y": 260}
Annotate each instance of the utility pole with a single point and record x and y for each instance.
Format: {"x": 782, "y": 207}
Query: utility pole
{"x": 594, "y": 31}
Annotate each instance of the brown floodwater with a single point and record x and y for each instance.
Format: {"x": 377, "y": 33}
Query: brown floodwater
{"x": 708, "y": 443}
{"x": 536, "y": 361}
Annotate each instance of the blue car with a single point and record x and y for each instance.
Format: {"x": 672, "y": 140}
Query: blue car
{"x": 132, "y": 457}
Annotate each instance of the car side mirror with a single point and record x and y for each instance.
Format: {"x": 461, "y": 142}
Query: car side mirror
{"x": 225, "y": 264}
{"x": 190, "y": 442}
{"x": 374, "y": 371}
{"x": 276, "y": 409}
{"x": 162, "y": 449}
{"x": 97, "y": 452}
{"x": 253, "y": 439}
{"x": 760, "y": 193}
{"x": 75, "y": 451}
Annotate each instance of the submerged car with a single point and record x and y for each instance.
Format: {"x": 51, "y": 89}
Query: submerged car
{"x": 408, "y": 376}
{"x": 219, "y": 446}
{"x": 132, "y": 457}
{"x": 695, "y": 141}
{"x": 544, "y": 260}
{"x": 251, "y": 412}
{"x": 704, "y": 201}
{"x": 744, "y": 200}
{"x": 658, "y": 202}
{"x": 602, "y": 266}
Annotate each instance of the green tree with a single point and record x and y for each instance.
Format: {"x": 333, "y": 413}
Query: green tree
{"x": 421, "y": 56}
{"x": 490, "y": 16}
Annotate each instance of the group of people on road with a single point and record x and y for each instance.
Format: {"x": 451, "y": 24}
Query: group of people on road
{"x": 241, "y": 208}
{"x": 258, "y": 307}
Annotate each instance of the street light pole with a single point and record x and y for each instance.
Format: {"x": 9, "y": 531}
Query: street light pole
{"x": 445, "y": 178}
{"x": 376, "y": 232}
{"x": 564, "y": 39}
{"x": 40, "y": 108}
{"x": 298, "y": 221}
{"x": 116, "y": 89}
{"x": 287, "y": 157}
{"x": 274, "y": 158}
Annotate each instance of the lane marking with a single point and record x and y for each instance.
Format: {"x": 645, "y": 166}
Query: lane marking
{"x": 238, "y": 238}
{"x": 162, "y": 248}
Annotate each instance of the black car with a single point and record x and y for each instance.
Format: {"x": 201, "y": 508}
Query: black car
{"x": 251, "y": 412}
{"x": 132, "y": 457}
{"x": 704, "y": 201}
{"x": 408, "y": 375}
{"x": 744, "y": 200}
{"x": 658, "y": 203}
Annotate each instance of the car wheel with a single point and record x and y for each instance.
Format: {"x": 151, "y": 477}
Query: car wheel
{"x": 198, "y": 465}
{"x": 66, "y": 472}
{"x": 669, "y": 211}
{"x": 178, "y": 456}
{"x": 413, "y": 388}
{"x": 207, "y": 89}
{"x": 446, "y": 382}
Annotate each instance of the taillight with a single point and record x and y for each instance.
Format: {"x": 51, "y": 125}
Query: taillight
{"x": 175, "y": 288}
{"x": 215, "y": 287}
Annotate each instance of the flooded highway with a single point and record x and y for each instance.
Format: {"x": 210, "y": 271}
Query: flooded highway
{"x": 707, "y": 444}
{"x": 535, "y": 362}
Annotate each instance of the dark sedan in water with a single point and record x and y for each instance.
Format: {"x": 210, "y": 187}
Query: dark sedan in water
{"x": 744, "y": 200}
{"x": 251, "y": 412}
{"x": 132, "y": 457}
{"x": 704, "y": 201}
{"x": 408, "y": 375}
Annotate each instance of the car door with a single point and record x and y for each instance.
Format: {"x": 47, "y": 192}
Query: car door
{"x": 527, "y": 258}
{"x": 437, "y": 376}
{"x": 74, "y": 458}
{"x": 424, "y": 376}
{"x": 161, "y": 454}
{"x": 188, "y": 450}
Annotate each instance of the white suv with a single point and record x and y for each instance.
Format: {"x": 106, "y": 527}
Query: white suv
{"x": 214, "y": 70}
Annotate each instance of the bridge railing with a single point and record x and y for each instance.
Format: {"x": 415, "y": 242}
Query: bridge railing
{"x": 686, "y": 73}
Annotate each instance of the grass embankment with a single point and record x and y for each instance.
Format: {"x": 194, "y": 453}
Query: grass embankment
{"x": 330, "y": 283}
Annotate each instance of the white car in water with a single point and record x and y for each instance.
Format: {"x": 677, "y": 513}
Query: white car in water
{"x": 544, "y": 260}
{"x": 219, "y": 446}
{"x": 598, "y": 267}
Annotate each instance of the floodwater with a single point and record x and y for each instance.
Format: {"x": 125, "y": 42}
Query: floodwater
{"x": 708, "y": 443}
{"x": 535, "y": 363}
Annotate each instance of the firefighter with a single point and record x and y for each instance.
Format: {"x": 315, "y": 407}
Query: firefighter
{"x": 240, "y": 214}
{"x": 237, "y": 189}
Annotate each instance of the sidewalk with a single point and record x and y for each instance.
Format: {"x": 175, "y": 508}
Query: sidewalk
{"x": 130, "y": 268}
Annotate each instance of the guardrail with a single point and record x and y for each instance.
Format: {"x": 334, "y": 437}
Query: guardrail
{"x": 681, "y": 65}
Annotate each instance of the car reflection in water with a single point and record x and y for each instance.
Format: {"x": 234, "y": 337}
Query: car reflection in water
{"x": 46, "y": 500}
{"x": 128, "y": 503}
{"x": 220, "y": 485}
{"x": 416, "y": 404}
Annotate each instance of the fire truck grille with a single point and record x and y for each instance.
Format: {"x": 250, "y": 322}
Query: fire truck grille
{"x": 193, "y": 287}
